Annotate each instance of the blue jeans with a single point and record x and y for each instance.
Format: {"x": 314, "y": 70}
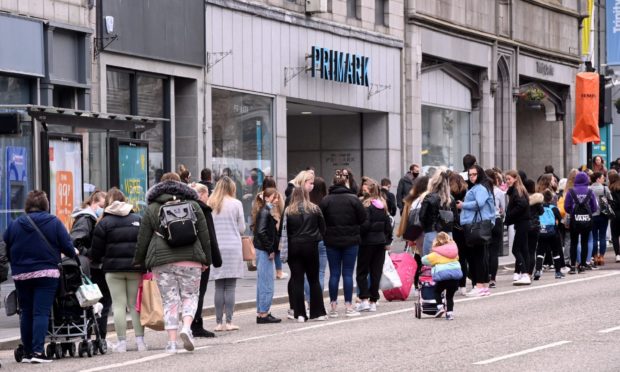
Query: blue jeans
{"x": 322, "y": 264}
{"x": 599, "y": 233}
{"x": 341, "y": 262}
{"x": 278, "y": 261}
{"x": 35, "y": 297}
{"x": 264, "y": 281}
{"x": 590, "y": 247}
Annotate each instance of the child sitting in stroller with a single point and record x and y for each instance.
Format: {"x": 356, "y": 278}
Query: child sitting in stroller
{"x": 446, "y": 272}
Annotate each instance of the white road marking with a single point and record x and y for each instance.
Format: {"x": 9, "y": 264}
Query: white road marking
{"x": 609, "y": 330}
{"x": 532, "y": 350}
{"x": 330, "y": 322}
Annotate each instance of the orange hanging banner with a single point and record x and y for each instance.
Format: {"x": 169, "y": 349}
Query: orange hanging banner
{"x": 64, "y": 197}
{"x": 586, "y": 108}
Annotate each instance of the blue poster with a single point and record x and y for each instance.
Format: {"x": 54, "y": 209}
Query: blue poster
{"x": 16, "y": 183}
{"x": 602, "y": 149}
{"x": 133, "y": 167}
{"x": 613, "y": 32}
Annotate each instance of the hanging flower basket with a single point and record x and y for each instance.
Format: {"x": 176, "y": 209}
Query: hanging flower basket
{"x": 533, "y": 97}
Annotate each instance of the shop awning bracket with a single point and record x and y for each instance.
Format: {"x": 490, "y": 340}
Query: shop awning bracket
{"x": 213, "y": 58}
{"x": 291, "y": 73}
{"x": 375, "y": 89}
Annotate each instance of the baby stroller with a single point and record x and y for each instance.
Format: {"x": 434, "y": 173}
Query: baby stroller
{"x": 425, "y": 302}
{"x": 69, "y": 322}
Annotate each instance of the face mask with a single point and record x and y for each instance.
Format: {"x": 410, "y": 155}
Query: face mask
{"x": 416, "y": 174}
{"x": 99, "y": 212}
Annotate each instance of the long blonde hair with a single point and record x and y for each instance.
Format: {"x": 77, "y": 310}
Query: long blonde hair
{"x": 302, "y": 177}
{"x": 300, "y": 202}
{"x": 440, "y": 185}
{"x": 374, "y": 192}
{"x": 570, "y": 181}
{"x": 225, "y": 187}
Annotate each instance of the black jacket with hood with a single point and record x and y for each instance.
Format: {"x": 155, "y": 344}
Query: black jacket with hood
{"x": 518, "y": 208}
{"x": 404, "y": 186}
{"x": 344, "y": 214}
{"x": 377, "y": 229}
{"x": 429, "y": 213}
{"x": 216, "y": 256}
{"x": 115, "y": 237}
{"x": 536, "y": 210}
{"x": 82, "y": 230}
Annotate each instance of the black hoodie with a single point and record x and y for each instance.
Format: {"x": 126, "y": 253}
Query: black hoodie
{"x": 344, "y": 214}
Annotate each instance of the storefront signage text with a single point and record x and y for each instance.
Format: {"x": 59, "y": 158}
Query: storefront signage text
{"x": 544, "y": 68}
{"x": 339, "y": 66}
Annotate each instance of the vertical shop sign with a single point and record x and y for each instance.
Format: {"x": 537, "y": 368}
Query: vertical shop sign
{"x": 64, "y": 197}
{"x": 133, "y": 160}
{"x": 613, "y": 32}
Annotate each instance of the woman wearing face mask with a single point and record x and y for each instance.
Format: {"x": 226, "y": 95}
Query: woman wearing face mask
{"x": 82, "y": 237}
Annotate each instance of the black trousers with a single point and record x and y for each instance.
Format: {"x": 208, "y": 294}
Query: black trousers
{"x": 98, "y": 277}
{"x": 303, "y": 259}
{"x": 615, "y": 234}
{"x": 369, "y": 261}
{"x": 520, "y": 246}
{"x": 478, "y": 259}
{"x": 204, "y": 280}
{"x": 459, "y": 238}
{"x": 532, "y": 242}
{"x": 450, "y": 286}
{"x": 575, "y": 238}
{"x": 549, "y": 244}
{"x": 495, "y": 247}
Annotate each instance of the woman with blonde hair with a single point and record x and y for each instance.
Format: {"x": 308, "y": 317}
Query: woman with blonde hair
{"x": 438, "y": 208}
{"x": 229, "y": 223}
{"x": 305, "y": 227}
{"x": 376, "y": 238}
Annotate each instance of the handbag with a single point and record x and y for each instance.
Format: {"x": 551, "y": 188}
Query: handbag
{"x": 414, "y": 226}
{"x": 478, "y": 232}
{"x": 389, "y": 276}
{"x": 151, "y": 306}
{"x": 606, "y": 205}
{"x": 88, "y": 293}
{"x": 11, "y": 303}
{"x": 247, "y": 246}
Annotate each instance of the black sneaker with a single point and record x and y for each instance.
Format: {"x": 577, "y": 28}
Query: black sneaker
{"x": 40, "y": 358}
{"x": 27, "y": 359}
{"x": 572, "y": 270}
{"x": 201, "y": 332}
{"x": 582, "y": 269}
{"x": 492, "y": 284}
{"x": 267, "y": 319}
{"x": 537, "y": 275}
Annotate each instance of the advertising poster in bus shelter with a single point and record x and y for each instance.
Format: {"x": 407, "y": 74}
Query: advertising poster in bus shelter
{"x": 133, "y": 167}
{"x": 65, "y": 178}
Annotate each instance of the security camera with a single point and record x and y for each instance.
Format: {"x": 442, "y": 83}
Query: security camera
{"x": 109, "y": 24}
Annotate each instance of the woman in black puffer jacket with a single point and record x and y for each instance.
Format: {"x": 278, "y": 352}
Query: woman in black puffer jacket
{"x": 114, "y": 245}
{"x": 518, "y": 214}
{"x": 376, "y": 238}
{"x": 438, "y": 199}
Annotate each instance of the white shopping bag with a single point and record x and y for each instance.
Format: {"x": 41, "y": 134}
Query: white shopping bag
{"x": 88, "y": 293}
{"x": 389, "y": 277}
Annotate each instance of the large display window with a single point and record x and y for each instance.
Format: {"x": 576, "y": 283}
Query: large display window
{"x": 129, "y": 161}
{"x": 243, "y": 140}
{"x": 445, "y": 136}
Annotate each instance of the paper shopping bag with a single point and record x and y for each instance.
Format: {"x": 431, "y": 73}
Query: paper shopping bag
{"x": 152, "y": 308}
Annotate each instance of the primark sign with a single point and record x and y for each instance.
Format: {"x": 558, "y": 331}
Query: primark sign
{"x": 338, "y": 66}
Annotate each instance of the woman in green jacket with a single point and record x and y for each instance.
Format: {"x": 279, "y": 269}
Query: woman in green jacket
{"x": 177, "y": 269}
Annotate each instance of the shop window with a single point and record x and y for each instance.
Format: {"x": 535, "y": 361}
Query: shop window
{"x": 380, "y": 6}
{"x": 118, "y": 92}
{"x": 445, "y": 136}
{"x": 16, "y": 173}
{"x": 14, "y": 90}
{"x": 64, "y": 97}
{"x": 242, "y": 141}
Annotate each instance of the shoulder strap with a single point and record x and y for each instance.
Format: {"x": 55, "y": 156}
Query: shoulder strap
{"x": 41, "y": 234}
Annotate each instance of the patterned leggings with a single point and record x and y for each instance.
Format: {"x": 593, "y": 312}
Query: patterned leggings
{"x": 177, "y": 284}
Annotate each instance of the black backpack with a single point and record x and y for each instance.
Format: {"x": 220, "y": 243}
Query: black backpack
{"x": 177, "y": 221}
{"x": 581, "y": 218}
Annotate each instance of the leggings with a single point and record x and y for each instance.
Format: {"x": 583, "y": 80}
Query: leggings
{"x": 495, "y": 247}
{"x": 450, "y": 286}
{"x": 225, "y": 297}
{"x": 124, "y": 289}
{"x": 550, "y": 244}
{"x": 520, "y": 247}
{"x": 575, "y": 238}
{"x": 532, "y": 243}
{"x": 459, "y": 238}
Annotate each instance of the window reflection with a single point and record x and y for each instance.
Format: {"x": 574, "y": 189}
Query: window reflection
{"x": 445, "y": 136}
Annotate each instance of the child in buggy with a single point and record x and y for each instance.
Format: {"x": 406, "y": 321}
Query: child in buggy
{"x": 445, "y": 273}
{"x": 69, "y": 321}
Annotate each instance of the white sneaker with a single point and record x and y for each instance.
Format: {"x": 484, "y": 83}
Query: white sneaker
{"x": 352, "y": 312}
{"x": 363, "y": 306}
{"x": 120, "y": 347}
{"x": 618, "y": 258}
{"x": 373, "y": 308}
{"x": 333, "y": 313}
{"x": 516, "y": 277}
{"x": 171, "y": 348}
{"x": 187, "y": 338}
{"x": 440, "y": 311}
{"x": 290, "y": 314}
{"x": 566, "y": 269}
{"x": 462, "y": 291}
{"x": 525, "y": 280}
{"x": 301, "y": 319}
{"x": 476, "y": 292}
{"x": 141, "y": 344}
{"x": 321, "y": 318}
